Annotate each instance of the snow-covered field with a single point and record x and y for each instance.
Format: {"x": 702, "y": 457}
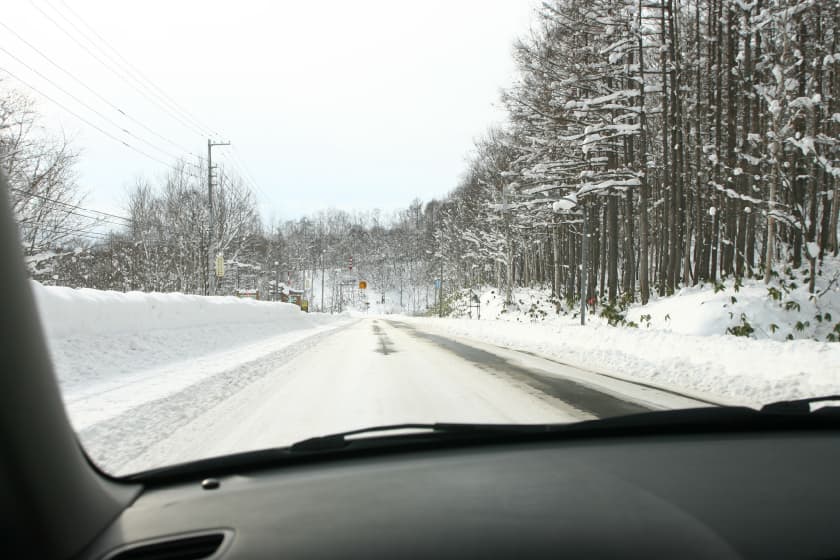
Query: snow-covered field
{"x": 114, "y": 351}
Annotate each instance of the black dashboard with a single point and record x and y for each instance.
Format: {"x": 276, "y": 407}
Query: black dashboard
{"x": 742, "y": 495}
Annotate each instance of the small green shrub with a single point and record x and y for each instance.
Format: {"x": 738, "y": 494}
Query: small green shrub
{"x": 613, "y": 314}
{"x": 744, "y": 329}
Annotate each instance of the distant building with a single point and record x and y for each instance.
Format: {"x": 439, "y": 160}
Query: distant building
{"x": 294, "y": 296}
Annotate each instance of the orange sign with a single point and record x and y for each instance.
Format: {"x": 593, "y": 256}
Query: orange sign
{"x": 362, "y": 285}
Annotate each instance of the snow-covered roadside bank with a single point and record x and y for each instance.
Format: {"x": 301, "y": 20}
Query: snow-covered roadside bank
{"x": 724, "y": 368}
{"x": 113, "y": 351}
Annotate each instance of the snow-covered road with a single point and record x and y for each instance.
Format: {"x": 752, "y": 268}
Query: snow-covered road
{"x": 365, "y": 373}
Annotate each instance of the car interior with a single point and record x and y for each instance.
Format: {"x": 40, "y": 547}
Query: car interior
{"x": 706, "y": 483}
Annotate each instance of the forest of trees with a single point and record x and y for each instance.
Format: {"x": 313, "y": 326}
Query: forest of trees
{"x": 696, "y": 140}
{"x": 691, "y": 140}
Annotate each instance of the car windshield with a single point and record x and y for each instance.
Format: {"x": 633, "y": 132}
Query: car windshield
{"x": 249, "y": 224}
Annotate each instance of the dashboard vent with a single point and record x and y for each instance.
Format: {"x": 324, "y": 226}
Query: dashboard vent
{"x": 190, "y": 546}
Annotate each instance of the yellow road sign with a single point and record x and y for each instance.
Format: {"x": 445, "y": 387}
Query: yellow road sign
{"x": 362, "y": 285}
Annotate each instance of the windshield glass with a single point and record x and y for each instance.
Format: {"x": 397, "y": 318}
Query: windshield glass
{"x": 250, "y": 224}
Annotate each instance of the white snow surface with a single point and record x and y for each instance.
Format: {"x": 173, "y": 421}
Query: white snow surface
{"x": 683, "y": 346}
{"x": 113, "y": 351}
{"x": 782, "y": 310}
{"x": 724, "y": 369}
{"x": 150, "y": 380}
{"x": 367, "y": 374}
{"x": 83, "y": 311}
{"x": 154, "y": 379}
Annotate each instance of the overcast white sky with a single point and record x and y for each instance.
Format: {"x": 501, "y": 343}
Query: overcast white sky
{"x": 346, "y": 104}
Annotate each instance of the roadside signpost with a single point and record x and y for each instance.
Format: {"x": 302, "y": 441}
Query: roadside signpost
{"x": 475, "y": 303}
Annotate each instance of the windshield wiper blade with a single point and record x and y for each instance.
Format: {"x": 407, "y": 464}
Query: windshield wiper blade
{"x": 678, "y": 422}
{"x": 342, "y": 439}
{"x": 798, "y": 406}
{"x": 702, "y": 418}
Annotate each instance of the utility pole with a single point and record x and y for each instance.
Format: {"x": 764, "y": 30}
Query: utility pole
{"x": 211, "y": 256}
{"x": 322, "y": 279}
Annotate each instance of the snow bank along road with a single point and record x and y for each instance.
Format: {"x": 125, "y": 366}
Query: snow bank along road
{"x": 356, "y": 374}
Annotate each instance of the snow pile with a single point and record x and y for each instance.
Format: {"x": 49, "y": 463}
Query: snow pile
{"x": 113, "y": 351}
{"x": 722, "y": 368}
{"x": 785, "y": 345}
{"x": 83, "y": 311}
{"x": 781, "y": 310}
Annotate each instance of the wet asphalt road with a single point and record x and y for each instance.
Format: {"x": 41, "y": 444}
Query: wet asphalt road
{"x": 581, "y": 397}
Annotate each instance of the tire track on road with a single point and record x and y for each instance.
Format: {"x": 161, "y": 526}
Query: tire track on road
{"x": 581, "y": 397}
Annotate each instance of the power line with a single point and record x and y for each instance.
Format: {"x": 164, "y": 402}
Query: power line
{"x": 137, "y": 71}
{"x": 162, "y": 94}
{"x": 248, "y": 174}
{"x": 196, "y": 125}
{"x": 46, "y": 228}
{"x": 115, "y": 62}
{"x": 65, "y": 231}
{"x": 240, "y": 165}
{"x": 116, "y": 72}
{"x": 72, "y": 206}
{"x": 91, "y": 90}
{"x": 237, "y": 171}
{"x": 98, "y": 128}
{"x": 250, "y": 185}
{"x": 116, "y": 68}
{"x": 96, "y": 221}
{"x": 86, "y": 106}
{"x": 84, "y": 120}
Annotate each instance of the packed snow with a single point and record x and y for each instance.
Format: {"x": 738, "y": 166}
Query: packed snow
{"x": 679, "y": 342}
{"x": 154, "y": 379}
{"x": 367, "y": 374}
{"x": 113, "y": 351}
